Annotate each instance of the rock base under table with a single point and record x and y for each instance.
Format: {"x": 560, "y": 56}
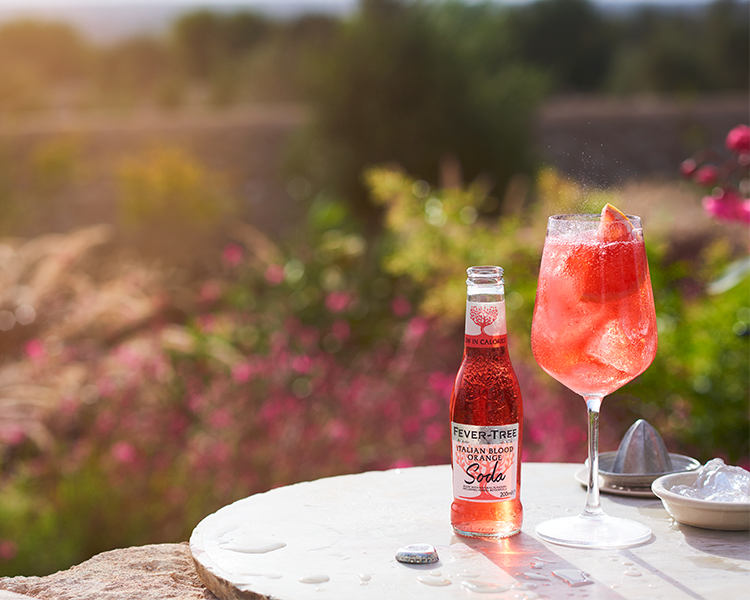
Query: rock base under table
{"x": 156, "y": 572}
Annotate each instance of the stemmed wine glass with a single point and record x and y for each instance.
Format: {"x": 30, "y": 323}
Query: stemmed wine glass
{"x": 594, "y": 329}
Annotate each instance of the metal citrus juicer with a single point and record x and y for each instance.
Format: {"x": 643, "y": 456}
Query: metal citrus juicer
{"x": 641, "y": 458}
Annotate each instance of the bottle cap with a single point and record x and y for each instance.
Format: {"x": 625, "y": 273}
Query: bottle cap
{"x": 418, "y": 554}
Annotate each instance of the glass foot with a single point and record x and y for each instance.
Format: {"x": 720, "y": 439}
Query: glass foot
{"x": 594, "y": 532}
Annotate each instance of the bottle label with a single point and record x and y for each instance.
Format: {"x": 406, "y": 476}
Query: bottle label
{"x": 485, "y": 325}
{"x": 484, "y": 462}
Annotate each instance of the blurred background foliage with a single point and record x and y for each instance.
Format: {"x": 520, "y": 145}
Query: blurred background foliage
{"x": 159, "y": 366}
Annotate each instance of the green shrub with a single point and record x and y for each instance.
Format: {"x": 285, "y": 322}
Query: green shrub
{"x": 696, "y": 391}
{"x": 171, "y": 203}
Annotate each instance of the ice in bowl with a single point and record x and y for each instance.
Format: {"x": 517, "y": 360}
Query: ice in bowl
{"x": 718, "y": 482}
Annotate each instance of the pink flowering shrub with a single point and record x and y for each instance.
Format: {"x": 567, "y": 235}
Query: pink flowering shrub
{"x": 155, "y": 401}
{"x": 267, "y": 374}
{"x": 726, "y": 176}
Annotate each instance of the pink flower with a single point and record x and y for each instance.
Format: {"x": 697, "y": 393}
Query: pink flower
{"x": 128, "y": 357}
{"x": 232, "y": 254}
{"x": 706, "y": 175}
{"x": 402, "y": 463}
{"x": 302, "y": 364}
{"x": 206, "y": 323}
{"x": 400, "y": 306}
{"x": 195, "y": 402}
{"x": 429, "y": 408}
{"x": 688, "y": 167}
{"x": 220, "y": 452}
{"x": 417, "y": 327}
{"x": 738, "y": 139}
{"x": 241, "y": 372}
{"x": 274, "y": 274}
{"x": 210, "y": 291}
{"x": 411, "y": 425}
{"x": 8, "y": 550}
{"x": 341, "y": 329}
{"x": 220, "y": 419}
{"x": 123, "y": 452}
{"x": 13, "y": 435}
{"x": 441, "y": 383}
{"x": 35, "y": 350}
{"x": 105, "y": 387}
{"x": 337, "y": 302}
{"x": 337, "y": 430}
{"x": 573, "y": 435}
{"x": 68, "y": 406}
{"x": 434, "y": 432}
{"x": 727, "y": 205}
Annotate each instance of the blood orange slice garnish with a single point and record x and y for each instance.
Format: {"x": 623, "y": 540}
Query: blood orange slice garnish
{"x": 614, "y": 265}
{"x": 614, "y": 226}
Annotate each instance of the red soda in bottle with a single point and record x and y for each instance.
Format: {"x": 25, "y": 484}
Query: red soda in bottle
{"x": 486, "y": 415}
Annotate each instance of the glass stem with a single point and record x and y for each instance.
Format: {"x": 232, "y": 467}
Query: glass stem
{"x": 593, "y": 507}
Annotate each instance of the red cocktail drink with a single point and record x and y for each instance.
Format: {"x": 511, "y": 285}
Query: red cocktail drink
{"x": 594, "y": 329}
{"x": 594, "y": 324}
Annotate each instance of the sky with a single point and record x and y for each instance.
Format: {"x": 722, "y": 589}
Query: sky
{"x": 66, "y": 3}
{"x": 333, "y": 4}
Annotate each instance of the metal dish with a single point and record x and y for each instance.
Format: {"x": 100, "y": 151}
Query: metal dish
{"x": 633, "y": 484}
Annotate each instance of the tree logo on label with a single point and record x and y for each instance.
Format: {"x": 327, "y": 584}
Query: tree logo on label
{"x": 483, "y": 316}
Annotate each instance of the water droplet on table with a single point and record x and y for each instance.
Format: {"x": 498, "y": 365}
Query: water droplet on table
{"x": 316, "y": 578}
{"x": 468, "y": 575}
{"x": 537, "y": 565}
{"x": 481, "y": 587}
{"x": 632, "y": 573}
{"x": 525, "y": 586}
{"x": 251, "y": 546}
{"x": 573, "y": 577}
{"x": 535, "y": 576}
{"x": 434, "y": 581}
{"x": 364, "y": 578}
{"x": 266, "y": 575}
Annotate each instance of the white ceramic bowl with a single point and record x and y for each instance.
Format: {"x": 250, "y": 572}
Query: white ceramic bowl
{"x": 708, "y": 514}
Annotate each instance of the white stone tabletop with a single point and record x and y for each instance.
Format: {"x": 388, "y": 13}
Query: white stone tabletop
{"x": 336, "y": 539}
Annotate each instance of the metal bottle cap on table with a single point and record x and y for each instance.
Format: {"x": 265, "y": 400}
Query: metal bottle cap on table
{"x": 418, "y": 554}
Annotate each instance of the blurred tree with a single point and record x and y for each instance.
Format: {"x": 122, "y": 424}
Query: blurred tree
{"x": 206, "y": 41}
{"x": 728, "y": 43}
{"x": 196, "y": 37}
{"x": 685, "y": 51}
{"x": 243, "y": 32}
{"x": 52, "y": 51}
{"x": 137, "y": 67}
{"x": 34, "y": 57}
{"x": 658, "y": 53}
{"x": 569, "y": 38}
{"x": 420, "y": 84}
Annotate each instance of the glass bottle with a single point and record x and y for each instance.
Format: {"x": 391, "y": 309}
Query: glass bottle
{"x": 486, "y": 414}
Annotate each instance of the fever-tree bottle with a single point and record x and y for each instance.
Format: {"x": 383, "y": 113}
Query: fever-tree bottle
{"x": 486, "y": 415}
